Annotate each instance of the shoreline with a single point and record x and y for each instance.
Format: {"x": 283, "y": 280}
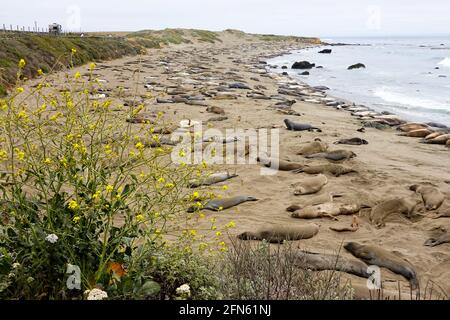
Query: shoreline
{"x": 385, "y": 168}
{"x": 382, "y": 108}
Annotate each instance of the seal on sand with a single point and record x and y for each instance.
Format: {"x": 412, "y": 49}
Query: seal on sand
{"x": 310, "y": 185}
{"x": 319, "y": 262}
{"x": 312, "y": 147}
{"x": 278, "y": 164}
{"x": 352, "y": 141}
{"x": 319, "y": 199}
{"x": 326, "y": 210}
{"x": 212, "y": 179}
{"x": 331, "y": 168}
{"x": 295, "y": 126}
{"x": 419, "y": 133}
{"x": 432, "y": 197}
{"x": 381, "y": 211}
{"x": 442, "y": 139}
{"x": 278, "y": 233}
{"x": 411, "y": 126}
{"x": 438, "y": 236}
{"x": 335, "y": 155}
{"x": 374, "y": 255}
{"x": 222, "y": 204}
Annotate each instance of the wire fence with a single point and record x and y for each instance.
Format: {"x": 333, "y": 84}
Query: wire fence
{"x": 12, "y": 31}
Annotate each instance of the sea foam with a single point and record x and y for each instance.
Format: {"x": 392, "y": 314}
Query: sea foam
{"x": 445, "y": 62}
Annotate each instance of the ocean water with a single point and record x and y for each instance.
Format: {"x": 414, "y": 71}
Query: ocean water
{"x": 409, "y": 77}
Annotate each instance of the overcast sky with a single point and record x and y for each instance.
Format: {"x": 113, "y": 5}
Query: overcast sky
{"x": 294, "y": 17}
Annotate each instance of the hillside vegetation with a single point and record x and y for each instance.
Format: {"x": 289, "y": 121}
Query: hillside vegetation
{"x": 49, "y": 53}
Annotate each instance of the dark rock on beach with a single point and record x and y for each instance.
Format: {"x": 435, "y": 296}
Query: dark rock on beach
{"x": 305, "y": 73}
{"x": 303, "y": 65}
{"x": 356, "y": 66}
{"x": 327, "y": 51}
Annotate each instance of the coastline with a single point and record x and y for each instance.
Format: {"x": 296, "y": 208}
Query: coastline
{"x": 386, "y": 167}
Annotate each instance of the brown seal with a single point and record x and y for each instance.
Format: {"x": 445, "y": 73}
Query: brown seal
{"x": 279, "y": 233}
{"x": 374, "y": 255}
{"x": 352, "y": 141}
{"x": 326, "y": 210}
{"x": 383, "y": 210}
{"x": 412, "y": 126}
{"x": 310, "y": 185}
{"x": 336, "y": 155}
{"x": 442, "y": 139}
{"x": 419, "y": 133}
{"x": 320, "y": 262}
{"x": 432, "y": 197}
{"x": 331, "y": 168}
{"x": 216, "y": 110}
{"x": 438, "y": 236}
{"x": 278, "y": 164}
{"x": 312, "y": 147}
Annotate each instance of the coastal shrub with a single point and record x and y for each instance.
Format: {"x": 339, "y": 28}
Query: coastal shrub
{"x": 268, "y": 272}
{"x": 86, "y": 210}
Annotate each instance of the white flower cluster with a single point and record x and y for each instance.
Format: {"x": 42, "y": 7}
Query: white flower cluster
{"x": 96, "y": 294}
{"x": 184, "y": 290}
{"x": 52, "y": 238}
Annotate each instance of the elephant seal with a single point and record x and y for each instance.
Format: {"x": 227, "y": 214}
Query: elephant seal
{"x": 210, "y": 180}
{"x": 353, "y": 227}
{"x": 352, "y": 141}
{"x": 310, "y": 185}
{"x": 278, "y": 233}
{"x": 331, "y": 168}
{"x": 336, "y": 155}
{"x": 432, "y": 197}
{"x": 438, "y": 236}
{"x": 381, "y": 211}
{"x": 316, "y": 200}
{"x": 216, "y": 110}
{"x": 443, "y": 212}
{"x": 374, "y": 255}
{"x": 320, "y": 262}
{"x": 222, "y": 204}
{"x": 295, "y": 126}
{"x": 411, "y": 126}
{"x": 278, "y": 164}
{"x": 419, "y": 133}
{"x": 326, "y": 210}
{"x": 442, "y": 139}
{"x": 448, "y": 143}
{"x": 433, "y": 135}
{"x": 312, "y": 147}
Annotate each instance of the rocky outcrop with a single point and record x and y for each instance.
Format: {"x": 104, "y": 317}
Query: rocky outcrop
{"x": 303, "y": 65}
{"x": 356, "y": 66}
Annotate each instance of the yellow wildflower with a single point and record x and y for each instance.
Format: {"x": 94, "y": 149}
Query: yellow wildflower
{"x": 74, "y": 50}
{"x": 109, "y": 188}
{"x": 161, "y": 180}
{"x": 76, "y": 219}
{"x": 20, "y": 90}
{"x": 225, "y": 187}
{"x": 193, "y": 233}
{"x": 22, "y": 63}
{"x": 48, "y": 161}
{"x": 218, "y": 234}
{"x": 40, "y": 72}
{"x": 139, "y": 146}
{"x": 77, "y": 75}
{"x": 231, "y": 224}
{"x": 92, "y": 66}
{"x": 140, "y": 218}
{"x": 96, "y": 195}
{"x": 20, "y": 154}
{"x": 170, "y": 185}
{"x": 3, "y": 154}
{"x": 73, "y": 205}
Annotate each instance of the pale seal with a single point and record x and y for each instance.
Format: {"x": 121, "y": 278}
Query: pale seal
{"x": 432, "y": 197}
{"x": 222, "y": 204}
{"x": 310, "y": 185}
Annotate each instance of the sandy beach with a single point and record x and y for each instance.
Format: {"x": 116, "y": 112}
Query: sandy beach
{"x": 385, "y": 168}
